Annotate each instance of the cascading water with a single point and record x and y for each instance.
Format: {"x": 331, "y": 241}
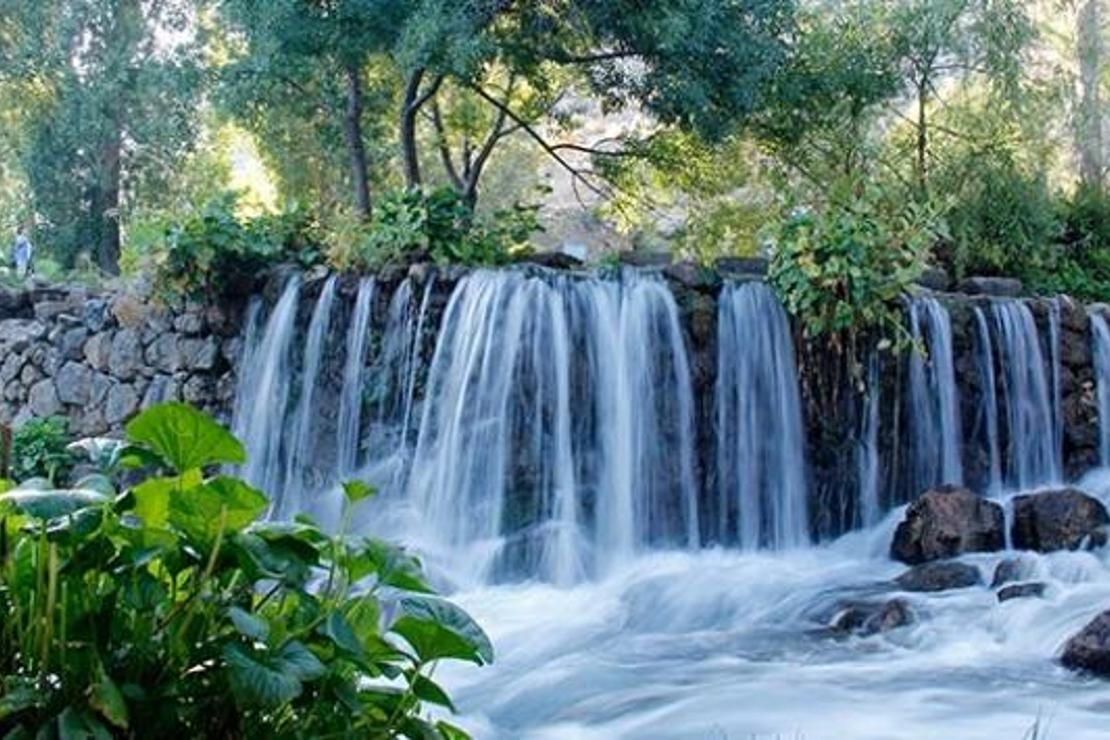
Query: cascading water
{"x": 1055, "y": 308}
{"x": 286, "y": 499}
{"x": 350, "y": 398}
{"x": 934, "y": 402}
{"x": 1032, "y": 452}
{"x": 264, "y": 391}
{"x": 868, "y": 453}
{"x": 499, "y": 455}
{"x": 761, "y": 465}
{"x": 555, "y": 445}
{"x": 1100, "y": 335}
{"x": 989, "y": 406}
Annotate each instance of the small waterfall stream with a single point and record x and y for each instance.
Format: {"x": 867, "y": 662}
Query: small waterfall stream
{"x": 350, "y": 400}
{"x": 760, "y": 455}
{"x": 870, "y": 510}
{"x": 1100, "y": 337}
{"x": 934, "y": 400}
{"x": 989, "y": 405}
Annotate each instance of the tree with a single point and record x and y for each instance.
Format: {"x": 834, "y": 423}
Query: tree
{"x": 1090, "y": 49}
{"x": 121, "y": 81}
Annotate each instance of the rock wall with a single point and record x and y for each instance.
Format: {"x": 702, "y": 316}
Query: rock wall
{"x": 97, "y": 358}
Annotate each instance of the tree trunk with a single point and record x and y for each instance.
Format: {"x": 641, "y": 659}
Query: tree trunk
{"x": 1089, "y": 138}
{"x": 923, "y": 139}
{"x": 108, "y": 208}
{"x": 409, "y": 110}
{"x": 353, "y": 129}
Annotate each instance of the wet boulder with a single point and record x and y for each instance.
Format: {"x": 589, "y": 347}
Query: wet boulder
{"x": 1033, "y": 589}
{"x": 1058, "y": 520}
{"x": 1008, "y": 571}
{"x": 870, "y": 618}
{"x": 1089, "y": 649}
{"x": 946, "y": 522}
{"x": 931, "y": 577}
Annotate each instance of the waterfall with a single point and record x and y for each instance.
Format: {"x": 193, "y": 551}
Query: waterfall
{"x": 264, "y": 391}
{"x": 934, "y": 402}
{"x": 501, "y": 458}
{"x": 868, "y": 454}
{"x": 989, "y": 407}
{"x": 350, "y": 399}
{"x": 760, "y": 455}
{"x": 1029, "y": 419}
{"x": 1100, "y": 332}
{"x": 290, "y": 493}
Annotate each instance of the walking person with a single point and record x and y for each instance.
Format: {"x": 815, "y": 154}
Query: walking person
{"x": 22, "y": 254}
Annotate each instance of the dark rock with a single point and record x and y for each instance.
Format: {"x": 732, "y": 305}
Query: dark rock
{"x": 1021, "y": 590}
{"x": 946, "y": 522}
{"x": 14, "y": 303}
{"x": 939, "y": 577}
{"x": 190, "y": 324}
{"x": 199, "y": 354}
{"x": 126, "y": 354}
{"x": 95, "y": 314}
{"x": 554, "y": 260}
{"x": 74, "y": 383}
{"x": 1089, "y": 649}
{"x": 692, "y": 275}
{"x": 994, "y": 286}
{"x": 1008, "y": 571}
{"x": 123, "y": 401}
{"x": 17, "y": 335}
{"x": 645, "y": 258}
{"x": 162, "y": 388}
{"x": 98, "y": 350}
{"x": 43, "y": 399}
{"x": 756, "y": 266}
{"x": 49, "y": 310}
{"x": 868, "y": 618}
{"x": 72, "y": 342}
{"x": 164, "y": 353}
{"x": 1058, "y": 520}
{"x": 935, "y": 278}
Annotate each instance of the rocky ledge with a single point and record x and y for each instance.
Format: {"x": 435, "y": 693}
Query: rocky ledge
{"x": 97, "y": 358}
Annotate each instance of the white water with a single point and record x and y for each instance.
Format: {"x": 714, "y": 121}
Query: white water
{"x": 1030, "y": 425}
{"x": 934, "y": 399}
{"x": 989, "y": 410}
{"x": 761, "y": 445}
{"x": 354, "y": 361}
{"x": 868, "y": 452}
{"x": 722, "y": 644}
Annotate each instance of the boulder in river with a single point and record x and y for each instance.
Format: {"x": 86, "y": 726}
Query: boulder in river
{"x": 1008, "y": 571}
{"x": 1058, "y": 520}
{"x": 1089, "y": 649}
{"x": 930, "y": 577}
{"x": 870, "y": 618}
{"x": 1021, "y": 590}
{"x": 946, "y": 522}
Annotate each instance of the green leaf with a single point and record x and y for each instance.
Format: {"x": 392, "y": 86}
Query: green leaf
{"x": 17, "y": 695}
{"x": 392, "y": 565}
{"x": 450, "y": 732}
{"x": 51, "y": 504}
{"x": 103, "y": 452}
{"x": 337, "y": 629}
{"x": 76, "y": 725}
{"x": 270, "y": 679}
{"x": 356, "y": 490}
{"x": 249, "y": 625}
{"x": 428, "y": 690}
{"x": 105, "y": 697}
{"x": 152, "y": 496}
{"x": 198, "y": 512}
{"x": 185, "y": 437}
{"x": 97, "y": 482}
{"x": 438, "y": 629}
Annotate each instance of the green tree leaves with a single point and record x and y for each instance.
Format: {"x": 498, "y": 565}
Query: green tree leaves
{"x": 185, "y": 437}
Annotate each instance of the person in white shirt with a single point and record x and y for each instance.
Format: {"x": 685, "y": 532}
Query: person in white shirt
{"x": 22, "y": 254}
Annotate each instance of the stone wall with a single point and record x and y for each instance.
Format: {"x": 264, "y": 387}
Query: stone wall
{"x": 97, "y": 358}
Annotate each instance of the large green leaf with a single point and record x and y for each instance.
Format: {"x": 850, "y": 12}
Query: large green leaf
{"x": 337, "y": 629}
{"x": 152, "y": 496}
{"x": 103, "y": 452}
{"x": 249, "y": 625}
{"x": 438, "y": 629}
{"x": 51, "y": 504}
{"x": 356, "y": 490}
{"x": 198, "y": 511}
{"x": 391, "y": 564}
{"x": 270, "y": 679}
{"x": 185, "y": 437}
{"x": 105, "y": 698}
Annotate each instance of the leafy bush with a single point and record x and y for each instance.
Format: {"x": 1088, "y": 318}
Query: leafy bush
{"x": 39, "y": 450}
{"x": 175, "y": 608}
{"x": 436, "y": 225}
{"x": 213, "y": 249}
{"x": 845, "y": 269}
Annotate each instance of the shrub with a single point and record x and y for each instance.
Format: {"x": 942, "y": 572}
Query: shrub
{"x": 39, "y": 450}
{"x": 175, "y": 608}
{"x": 844, "y": 269}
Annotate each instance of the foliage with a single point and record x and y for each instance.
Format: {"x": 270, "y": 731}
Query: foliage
{"x": 214, "y": 249}
{"x": 436, "y": 225}
{"x": 845, "y": 269}
{"x": 39, "y": 450}
{"x": 175, "y": 608}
